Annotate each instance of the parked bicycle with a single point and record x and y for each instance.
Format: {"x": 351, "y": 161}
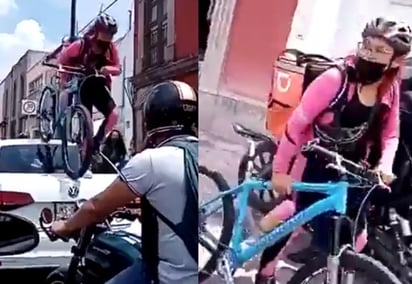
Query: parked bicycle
{"x": 73, "y": 124}
{"x": 341, "y": 260}
{"x": 260, "y": 152}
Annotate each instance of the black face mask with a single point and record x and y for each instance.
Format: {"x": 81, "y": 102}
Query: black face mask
{"x": 103, "y": 45}
{"x": 368, "y": 72}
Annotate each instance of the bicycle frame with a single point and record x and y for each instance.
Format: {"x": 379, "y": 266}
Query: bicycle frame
{"x": 72, "y": 89}
{"x": 335, "y": 201}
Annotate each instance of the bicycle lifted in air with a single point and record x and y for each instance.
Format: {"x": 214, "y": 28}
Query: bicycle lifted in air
{"x": 73, "y": 124}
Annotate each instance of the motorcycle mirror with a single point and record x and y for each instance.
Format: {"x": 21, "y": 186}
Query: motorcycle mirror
{"x": 46, "y": 216}
{"x": 18, "y": 235}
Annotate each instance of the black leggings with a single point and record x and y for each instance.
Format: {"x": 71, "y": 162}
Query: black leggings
{"x": 272, "y": 252}
{"x": 378, "y": 197}
{"x": 95, "y": 93}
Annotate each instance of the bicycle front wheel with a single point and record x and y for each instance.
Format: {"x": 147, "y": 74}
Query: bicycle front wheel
{"x": 77, "y": 128}
{"x": 365, "y": 268}
{"x": 46, "y": 113}
{"x": 214, "y": 245}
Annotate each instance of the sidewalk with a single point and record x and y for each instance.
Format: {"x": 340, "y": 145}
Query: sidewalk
{"x": 218, "y": 112}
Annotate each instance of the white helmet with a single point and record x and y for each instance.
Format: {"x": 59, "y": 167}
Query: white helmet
{"x": 397, "y": 34}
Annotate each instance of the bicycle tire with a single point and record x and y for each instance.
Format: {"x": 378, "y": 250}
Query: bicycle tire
{"x": 45, "y": 137}
{"x": 228, "y": 223}
{"x": 88, "y": 136}
{"x": 256, "y": 200}
{"x": 349, "y": 261}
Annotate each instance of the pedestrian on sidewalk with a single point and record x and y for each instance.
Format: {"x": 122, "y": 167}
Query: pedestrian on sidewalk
{"x": 113, "y": 148}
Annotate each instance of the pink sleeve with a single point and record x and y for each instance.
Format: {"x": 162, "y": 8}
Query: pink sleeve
{"x": 316, "y": 98}
{"x": 390, "y": 134}
{"x": 72, "y": 51}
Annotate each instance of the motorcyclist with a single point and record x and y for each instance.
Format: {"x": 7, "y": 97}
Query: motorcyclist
{"x": 96, "y": 52}
{"x": 156, "y": 175}
{"x": 370, "y": 113}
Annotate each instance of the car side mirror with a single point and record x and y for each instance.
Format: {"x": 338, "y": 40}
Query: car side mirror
{"x": 17, "y": 235}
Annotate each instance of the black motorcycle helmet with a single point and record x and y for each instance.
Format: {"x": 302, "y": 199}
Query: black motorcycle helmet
{"x": 170, "y": 107}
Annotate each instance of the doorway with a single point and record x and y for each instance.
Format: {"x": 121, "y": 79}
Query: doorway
{"x": 204, "y": 26}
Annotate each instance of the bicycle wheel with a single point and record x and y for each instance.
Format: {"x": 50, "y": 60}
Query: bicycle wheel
{"x": 218, "y": 246}
{"x": 46, "y": 113}
{"x": 262, "y": 201}
{"x": 83, "y": 139}
{"x": 373, "y": 270}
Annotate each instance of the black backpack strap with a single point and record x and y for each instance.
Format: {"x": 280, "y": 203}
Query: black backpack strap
{"x": 187, "y": 144}
{"x": 186, "y": 237}
{"x": 341, "y": 98}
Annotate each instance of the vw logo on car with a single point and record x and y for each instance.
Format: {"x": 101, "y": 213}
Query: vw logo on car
{"x": 73, "y": 191}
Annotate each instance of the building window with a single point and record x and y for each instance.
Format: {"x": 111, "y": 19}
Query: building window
{"x": 6, "y": 104}
{"x": 36, "y": 85}
{"x": 154, "y": 37}
{"x": 13, "y": 129}
{"x": 14, "y": 99}
{"x": 22, "y": 87}
{"x": 155, "y": 32}
{"x": 22, "y": 125}
{"x": 154, "y": 13}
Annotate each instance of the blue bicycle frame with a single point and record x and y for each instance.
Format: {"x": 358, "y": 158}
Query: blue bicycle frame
{"x": 72, "y": 88}
{"x": 335, "y": 201}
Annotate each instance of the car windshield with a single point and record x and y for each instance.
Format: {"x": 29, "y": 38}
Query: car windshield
{"x": 36, "y": 158}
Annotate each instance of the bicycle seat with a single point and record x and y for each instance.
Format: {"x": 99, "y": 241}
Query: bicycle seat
{"x": 249, "y": 133}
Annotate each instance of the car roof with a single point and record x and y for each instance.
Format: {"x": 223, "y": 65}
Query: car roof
{"x": 13, "y": 142}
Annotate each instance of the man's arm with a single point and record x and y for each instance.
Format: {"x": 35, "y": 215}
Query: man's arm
{"x": 137, "y": 173}
{"x": 102, "y": 205}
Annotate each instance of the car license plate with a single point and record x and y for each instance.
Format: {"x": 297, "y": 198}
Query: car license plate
{"x": 64, "y": 210}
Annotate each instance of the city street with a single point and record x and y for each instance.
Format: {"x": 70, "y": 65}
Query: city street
{"x": 224, "y": 156}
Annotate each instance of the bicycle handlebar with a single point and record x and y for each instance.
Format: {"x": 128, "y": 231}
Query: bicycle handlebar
{"x": 342, "y": 165}
{"x": 65, "y": 69}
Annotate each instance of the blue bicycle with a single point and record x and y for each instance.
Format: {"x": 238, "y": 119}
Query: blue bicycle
{"x": 73, "y": 125}
{"x": 340, "y": 263}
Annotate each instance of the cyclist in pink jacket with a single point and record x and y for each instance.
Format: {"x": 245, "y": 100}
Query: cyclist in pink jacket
{"x": 95, "y": 52}
{"x": 361, "y": 121}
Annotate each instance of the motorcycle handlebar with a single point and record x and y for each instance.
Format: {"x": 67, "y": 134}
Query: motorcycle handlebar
{"x": 122, "y": 214}
{"x": 50, "y": 234}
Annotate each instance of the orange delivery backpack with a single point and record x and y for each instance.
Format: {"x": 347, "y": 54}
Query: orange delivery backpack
{"x": 292, "y": 73}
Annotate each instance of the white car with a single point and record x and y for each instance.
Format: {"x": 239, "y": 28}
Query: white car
{"x": 32, "y": 178}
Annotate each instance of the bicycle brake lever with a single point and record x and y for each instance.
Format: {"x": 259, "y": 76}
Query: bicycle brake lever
{"x": 336, "y": 167}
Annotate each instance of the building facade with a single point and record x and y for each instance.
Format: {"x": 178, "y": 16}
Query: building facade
{"x": 165, "y": 47}
{"x": 2, "y": 124}
{"x": 15, "y": 90}
{"x": 246, "y": 38}
{"x": 121, "y": 90}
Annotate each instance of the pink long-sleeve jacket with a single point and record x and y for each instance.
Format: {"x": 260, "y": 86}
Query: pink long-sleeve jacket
{"x": 315, "y": 100}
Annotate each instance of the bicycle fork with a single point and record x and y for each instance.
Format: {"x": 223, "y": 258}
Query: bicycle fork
{"x": 333, "y": 260}
{"x": 225, "y": 267}
{"x": 250, "y": 223}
